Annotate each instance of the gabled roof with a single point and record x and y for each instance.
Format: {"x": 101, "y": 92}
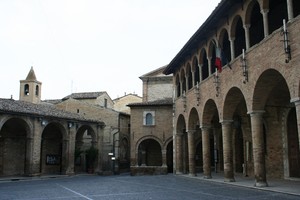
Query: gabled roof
{"x": 31, "y": 75}
{"x": 38, "y": 110}
{"x": 161, "y": 102}
{"x": 211, "y": 23}
{"x": 84, "y": 95}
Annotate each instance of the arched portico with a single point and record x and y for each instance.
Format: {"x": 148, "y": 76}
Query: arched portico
{"x": 14, "y": 139}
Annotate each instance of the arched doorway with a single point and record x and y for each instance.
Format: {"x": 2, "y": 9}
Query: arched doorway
{"x": 51, "y": 149}
{"x": 149, "y": 153}
{"x": 13, "y": 147}
{"x": 84, "y": 148}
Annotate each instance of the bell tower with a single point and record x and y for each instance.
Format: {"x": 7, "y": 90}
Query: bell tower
{"x": 30, "y": 88}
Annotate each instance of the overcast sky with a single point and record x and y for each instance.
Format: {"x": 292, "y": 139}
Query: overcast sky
{"x": 92, "y": 45}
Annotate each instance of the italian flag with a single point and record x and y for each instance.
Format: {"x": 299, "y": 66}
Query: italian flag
{"x": 218, "y": 62}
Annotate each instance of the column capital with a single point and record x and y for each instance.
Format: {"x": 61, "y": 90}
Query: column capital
{"x": 264, "y": 11}
{"x": 256, "y": 112}
{"x": 246, "y": 26}
{"x": 205, "y": 126}
{"x": 295, "y": 100}
{"x": 226, "y": 121}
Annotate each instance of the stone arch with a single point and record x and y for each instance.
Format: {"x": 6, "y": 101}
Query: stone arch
{"x": 193, "y": 123}
{"x": 269, "y": 82}
{"x": 277, "y": 12}
{"x": 149, "y": 151}
{"x": 255, "y": 19}
{"x": 237, "y": 32}
{"x": 53, "y": 160}
{"x": 212, "y": 55}
{"x": 225, "y": 46}
{"x": 13, "y": 147}
{"x": 189, "y": 76}
{"x": 235, "y": 109}
{"x": 168, "y": 147}
{"x": 204, "y": 64}
{"x": 210, "y": 110}
{"x": 178, "y": 87}
{"x": 272, "y": 96}
{"x": 196, "y": 70}
{"x": 183, "y": 80}
{"x": 85, "y": 139}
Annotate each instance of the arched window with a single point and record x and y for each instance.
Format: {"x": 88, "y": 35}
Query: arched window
{"x": 26, "y": 89}
{"x": 149, "y": 118}
{"x": 37, "y": 90}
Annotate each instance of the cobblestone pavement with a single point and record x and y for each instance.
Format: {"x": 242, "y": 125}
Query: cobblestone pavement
{"x": 127, "y": 187}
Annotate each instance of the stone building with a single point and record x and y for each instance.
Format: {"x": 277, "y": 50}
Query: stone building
{"x": 245, "y": 117}
{"x": 38, "y": 139}
{"x": 151, "y": 126}
{"x": 120, "y": 103}
{"x": 99, "y": 106}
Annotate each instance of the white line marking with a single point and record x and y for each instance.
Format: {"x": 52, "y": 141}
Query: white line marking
{"x": 75, "y": 192}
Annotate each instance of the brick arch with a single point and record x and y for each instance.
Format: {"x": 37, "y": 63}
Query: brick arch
{"x": 234, "y": 98}
{"x": 210, "y": 111}
{"x": 84, "y": 128}
{"x": 28, "y": 125}
{"x": 233, "y": 25}
{"x": 146, "y": 138}
{"x": 249, "y": 9}
{"x": 14, "y": 148}
{"x": 181, "y": 124}
{"x": 194, "y": 121}
{"x": 201, "y": 55}
{"x": 269, "y": 82}
{"x": 224, "y": 43}
{"x": 211, "y": 47}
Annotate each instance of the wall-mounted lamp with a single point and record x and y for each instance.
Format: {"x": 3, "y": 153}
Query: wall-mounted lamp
{"x": 287, "y": 47}
{"x": 244, "y": 67}
{"x": 217, "y": 82}
{"x": 197, "y": 92}
{"x": 44, "y": 122}
{"x": 70, "y": 124}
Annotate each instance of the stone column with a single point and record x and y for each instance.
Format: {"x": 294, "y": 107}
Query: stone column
{"x": 247, "y": 35}
{"x": 179, "y": 164}
{"x": 200, "y": 73}
{"x": 290, "y": 9}
{"x": 186, "y": 83}
{"x": 193, "y": 78}
{"x": 296, "y": 101}
{"x": 265, "y": 12}
{"x": 227, "y": 150}
{"x": 209, "y": 65}
{"x": 191, "y": 149}
{"x": 206, "y": 152}
{"x": 258, "y": 148}
{"x": 71, "y": 151}
{"x": 164, "y": 157}
{"x": 232, "y": 48}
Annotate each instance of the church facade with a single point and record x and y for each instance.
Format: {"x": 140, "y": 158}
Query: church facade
{"x": 237, "y": 101}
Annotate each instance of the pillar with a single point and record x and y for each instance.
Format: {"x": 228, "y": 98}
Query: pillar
{"x": 227, "y": 150}
{"x": 191, "y": 153}
{"x": 206, "y": 152}
{"x": 200, "y": 73}
{"x": 247, "y": 35}
{"x": 290, "y": 9}
{"x": 209, "y": 65}
{"x": 179, "y": 164}
{"x": 265, "y": 12}
{"x": 296, "y": 101}
{"x": 164, "y": 157}
{"x": 232, "y": 48}
{"x": 258, "y": 148}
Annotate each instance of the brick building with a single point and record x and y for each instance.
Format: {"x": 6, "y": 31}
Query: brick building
{"x": 120, "y": 103}
{"x": 151, "y": 126}
{"x": 38, "y": 139}
{"x": 245, "y": 117}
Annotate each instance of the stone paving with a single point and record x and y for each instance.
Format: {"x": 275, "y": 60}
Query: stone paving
{"x": 128, "y": 187}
